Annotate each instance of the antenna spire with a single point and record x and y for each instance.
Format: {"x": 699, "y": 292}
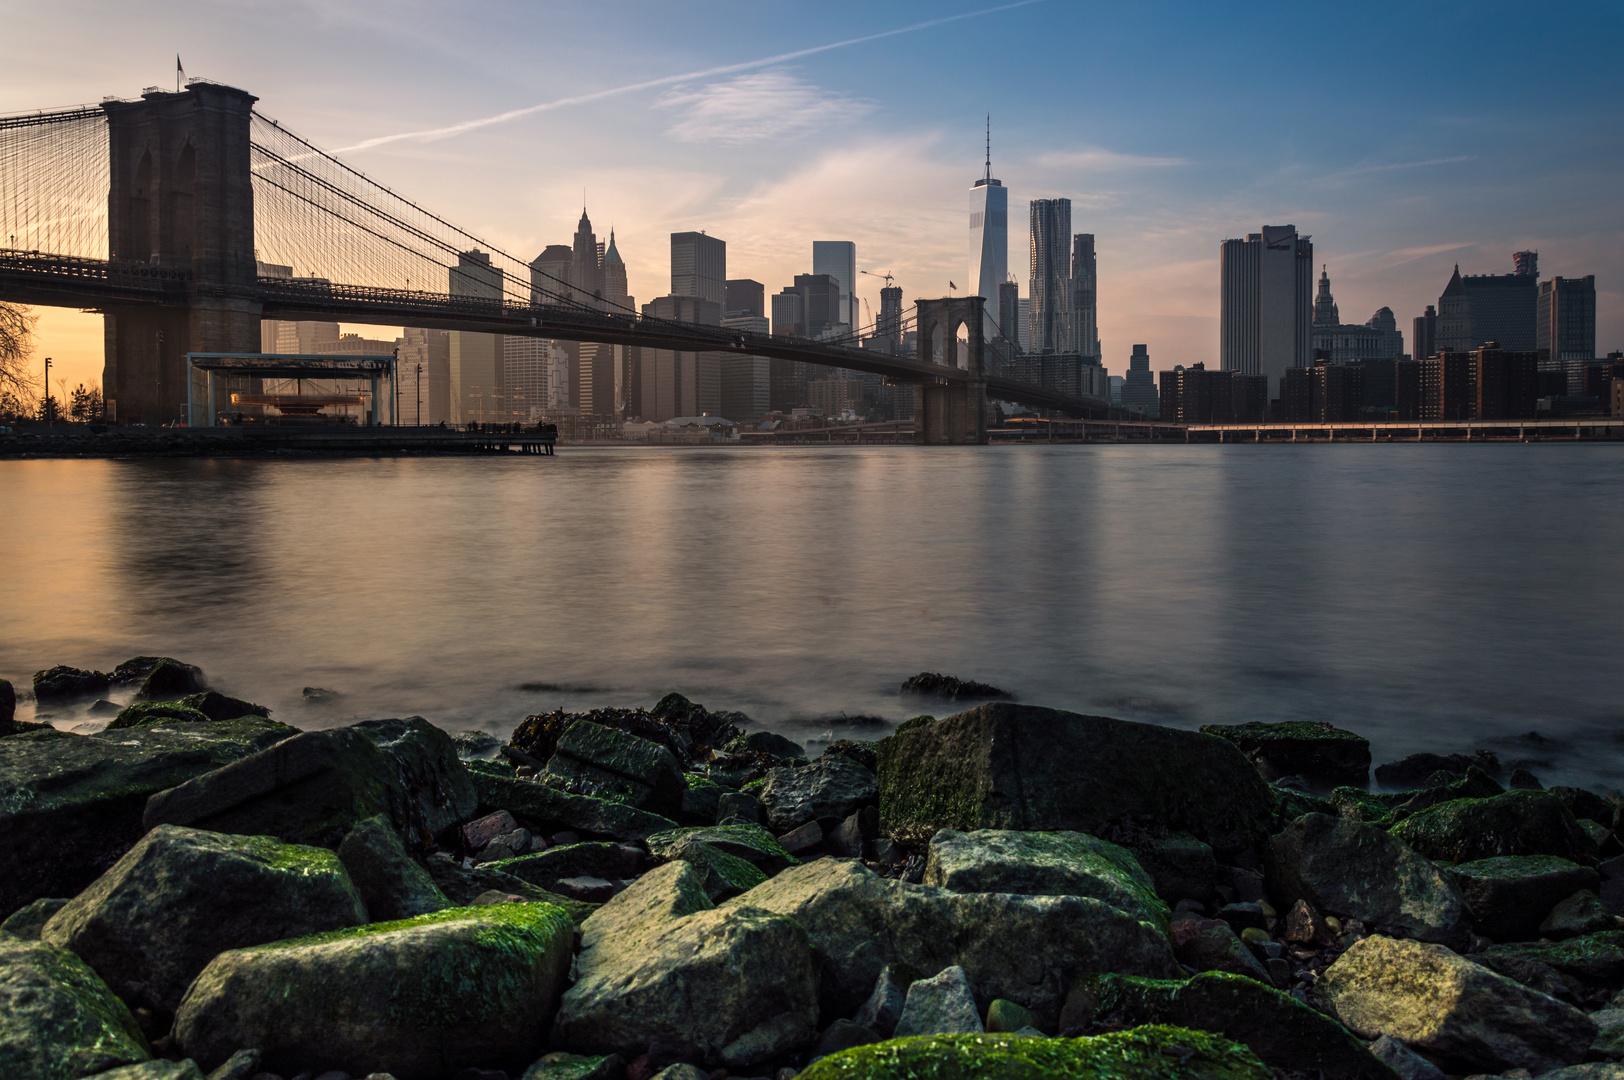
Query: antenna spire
{"x": 989, "y": 147}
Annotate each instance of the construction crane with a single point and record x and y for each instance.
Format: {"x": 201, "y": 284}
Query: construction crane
{"x": 882, "y": 274}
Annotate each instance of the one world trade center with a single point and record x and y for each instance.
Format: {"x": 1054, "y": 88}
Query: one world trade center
{"x": 989, "y": 243}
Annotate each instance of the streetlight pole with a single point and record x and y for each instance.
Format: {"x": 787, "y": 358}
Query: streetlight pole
{"x": 49, "y": 417}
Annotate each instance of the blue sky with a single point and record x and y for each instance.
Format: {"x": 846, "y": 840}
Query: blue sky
{"x": 1403, "y": 137}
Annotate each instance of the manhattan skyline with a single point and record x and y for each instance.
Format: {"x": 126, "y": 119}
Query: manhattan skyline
{"x": 1171, "y": 133}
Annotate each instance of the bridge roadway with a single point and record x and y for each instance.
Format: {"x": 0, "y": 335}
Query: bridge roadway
{"x": 98, "y": 284}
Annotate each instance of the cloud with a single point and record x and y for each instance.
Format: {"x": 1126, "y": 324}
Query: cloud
{"x": 1405, "y": 255}
{"x": 1096, "y": 160}
{"x": 762, "y": 105}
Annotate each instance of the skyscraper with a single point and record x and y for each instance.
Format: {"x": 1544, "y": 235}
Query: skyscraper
{"x": 699, "y": 267}
{"x": 1265, "y": 314}
{"x": 1084, "y": 295}
{"x": 584, "y": 263}
{"x": 1567, "y": 319}
{"x": 989, "y": 238}
{"x": 1489, "y": 307}
{"x": 1424, "y": 337}
{"x": 1139, "y": 387}
{"x": 1325, "y": 313}
{"x": 746, "y": 297}
{"x": 889, "y": 326}
{"x": 1009, "y": 312}
{"x": 1050, "y": 319}
{"x": 477, "y": 370}
{"x": 838, "y": 259}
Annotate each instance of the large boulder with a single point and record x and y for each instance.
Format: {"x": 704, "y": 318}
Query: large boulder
{"x": 70, "y": 805}
{"x": 722, "y": 875}
{"x": 1312, "y": 749}
{"x": 1287, "y": 1034}
{"x": 421, "y": 998}
{"x": 591, "y": 759}
{"x": 8, "y": 706}
{"x": 1431, "y": 998}
{"x": 58, "y": 1021}
{"x": 1043, "y": 864}
{"x": 599, "y": 859}
{"x": 827, "y": 791}
{"x": 207, "y": 705}
{"x": 1026, "y": 949}
{"x": 1153, "y": 1052}
{"x": 63, "y": 685}
{"x": 464, "y": 886}
{"x": 940, "y": 1005}
{"x": 1354, "y": 870}
{"x": 1004, "y": 766}
{"x": 1516, "y": 823}
{"x": 1594, "y": 958}
{"x": 181, "y": 896}
{"x": 170, "y": 679}
{"x": 736, "y": 983}
{"x": 752, "y": 843}
{"x": 551, "y": 810}
{"x": 314, "y": 786}
{"x": 392, "y": 885}
{"x": 1511, "y": 894}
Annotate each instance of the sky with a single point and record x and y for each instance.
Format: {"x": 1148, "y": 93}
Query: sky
{"x": 1403, "y": 137}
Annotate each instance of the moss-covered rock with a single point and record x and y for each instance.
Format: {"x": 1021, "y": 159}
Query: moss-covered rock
{"x": 701, "y": 800}
{"x": 1516, "y": 823}
{"x": 562, "y": 1065}
{"x": 1147, "y": 1053}
{"x": 61, "y": 685}
{"x": 1285, "y": 1033}
{"x": 58, "y": 1021}
{"x": 420, "y": 998}
{"x": 1027, "y": 949}
{"x": 1346, "y": 868}
{"x": 1004, "y": 766}
{"x": 752, "y": 843}
{"x": 600, "y": 859}
{"x": 463, "y": 885}
{"x": 1510, "y": 894}
{"x": 828, "y": 791}
{"x": 1182, "y": 868}
{"x": 550, "y": 809}
{"x": 170, "y": 679}
{"x": 182, "y": 896}
{"x": 1577, "y": 915}
{"x": 592, "y": 759}
{"x": 722, "y": 876}
{"x": 1043, "y": 864}
{"x": 152, "y": 713}
{"x": 1357, "y": 804}
{"x": 1594, "y": 958}
{"x": 1431, "y": 998}
{"x": 70, "y": 805}
{"x": 156, "y": 1069}
{"x": 1587, "y": 805}
{"x": 389, "y": 881}
{"x": 1308, "y": 748}
{"x": 1291, "y": 804}
{"x": 737, "y": 983}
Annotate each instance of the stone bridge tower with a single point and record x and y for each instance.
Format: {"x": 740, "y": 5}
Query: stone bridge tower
{"x": 952, "y": 413}
{"x": 180, "y": 198}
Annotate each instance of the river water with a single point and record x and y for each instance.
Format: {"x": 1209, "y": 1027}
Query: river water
{"x": 1430, "y": 597}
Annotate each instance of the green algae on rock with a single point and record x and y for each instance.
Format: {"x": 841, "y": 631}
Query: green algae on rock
{"x": 1309, "y": 748}
{"x": 1511, "y": 894}
{"x": 1153, "y": 1052}
{"x": 592, "y": 759}
{"x": 418, "y": 998}
{"x": 752, "y": 843}
{"x": 551, "y": 808}
{"x": 1516, "y": 823}
{"x": 1595, "y": 958}
{"x": 391, "y": 883}
{"x": 152, "y": 713}
{"x": 58, "y": 1021}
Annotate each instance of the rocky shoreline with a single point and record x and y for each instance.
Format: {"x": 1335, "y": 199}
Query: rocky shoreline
{"x": 1010, "y": 891}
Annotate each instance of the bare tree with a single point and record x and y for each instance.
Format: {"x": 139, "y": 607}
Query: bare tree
{"x": 16, "y": 345}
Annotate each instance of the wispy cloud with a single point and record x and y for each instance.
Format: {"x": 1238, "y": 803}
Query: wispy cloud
{"x": 1103, "y": 161}
{"x": 1367, "y": 169}
{"x": 668, "y": 80}
{"x": 1406, "y": 255}
{"x": 746, "y": 108}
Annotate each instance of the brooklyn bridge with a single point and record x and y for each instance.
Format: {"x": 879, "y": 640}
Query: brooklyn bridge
{"x": 160, "y": 213}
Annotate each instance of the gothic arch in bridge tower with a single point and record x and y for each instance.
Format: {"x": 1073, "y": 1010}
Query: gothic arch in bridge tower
{"x": 950, "y": 335}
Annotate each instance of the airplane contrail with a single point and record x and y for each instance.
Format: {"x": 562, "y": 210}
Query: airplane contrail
{"x": 432, "y": 134}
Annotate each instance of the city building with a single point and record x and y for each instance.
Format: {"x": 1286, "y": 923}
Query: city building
{"x": 1084, "y": 295}
{"x": 1023, "y": 324}
{"x": 1566, "y": 320}
{"x": 681, "y": 383}
{"x": 1344, "y": 343}
{"x": 838, "y": 259}
{"x": 425, "y": 374}
{"x": 746, "y": 297}
{"x": 528, "y": 368}
{"x": 1504, "y": 383}
{"x": 1488, "y": 307}
{"x": 1009, "y": 313}
{"x": 1265, "y": 321}
{"x": 1050, "y": 321}
{"x": 477, "y": 370}
{"x": 1117, "y": 384}
{"x": 551, "y": 280}
{"x": 1446, "y": 386}
{"x": 1139, "y": 386}
{"x": 699, "y": 267}
{"x": 815, "y": 311}
{"x": 1525, "y": 262}
{"x": 1424, "y": 335}
{"x": 584, "y": 261}
{"x": 989, "y": 240}
{"x": 746, "y": 380}
{"x": 1407, "y": 397}
{"x": 889, "y": 327}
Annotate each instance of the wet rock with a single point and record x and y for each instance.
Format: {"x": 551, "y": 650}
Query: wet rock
{"x": 688, "y": 730}
{"x": 1476, "y": 784}
{"x": 1182, "y": 868}
{"x": 842, "y": 1035}
{"x": 766, "y": 742}
{"x": 218, "y": 706}
{"x": 560, "y": 1065}
{"x": 1516, "y": 823}
{"x": 752, "y": 843}
{"x": 476, "y": 745}
{"x": 738, "y": 808}
{"x": 591, "y": 890}
{"x": 134, "y": 671}
{"x": 827, "y": 791}
{"x": 419, "y": 999}
{"x": 1587, "y": 805}
{"x": 1353, "y": 870}
{"x": 437, "y": 791}
{"x": 555, "y": 810}
{"x": 509, "y": 845}
{"x": 721, "y": 875}
{"x": 1243, "y": 917}
{"x": 1408, "y": 1064}
{"x": 1577, "y": 915}
{"x": 27, "y": 921}
{"x": 1293, "y": 1038}
{"x": 1510, "y": 894}
{"x": 951, "y": 688}
{"x": 1594, "y": 958}
{"x": 591, "y": 759}
{"x": 70, "y": 805}
{"x": 940, "y": 1005}
{"x": 856, "y": 835}
{"x": 1043, "y": 864}
{"x": 465, "y": 885}
{"x": 1315, "y": 750}
{"x": 182, "y": 896}
{"x": 8, "y": 706}
{"x": 1004, "y": 766}
{"x": 58, "y": 1020}
{"x": 1413, "y": 771}
{"x": 1146, "y": 1053}
{"x": 860, "y": 751}
{"x": 481, "y": 831}
{"x": 1428, "y": 997}
{"x": 701, "y": 800}
{"x": 883, "y": 1008}
{"x": 1023, "y": 948}
{"x": 63, "y": 685}
{"x": 1212, "y": 945}
{"x": 1304, "y": 925}
{"x": 1523, "y": 780}
{"x": 155, "y": 1070}
{"x": 1609, "y": 1042}
{"x": 318, "y": 696}
{"x": 681, "y": 1071}
{"x": 802, "y": 840}
{"x": 171, "y": 679}
{"x": 601, "y": 859}
{"x": 736, "y": 982}
{"x": 155, "y": 713}
{"x": 389, "y": 881}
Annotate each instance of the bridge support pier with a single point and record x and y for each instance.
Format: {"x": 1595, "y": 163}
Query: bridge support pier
{"x": 952, "y": 413}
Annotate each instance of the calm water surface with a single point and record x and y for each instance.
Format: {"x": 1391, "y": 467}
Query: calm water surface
{"x": 1430, "y": 597}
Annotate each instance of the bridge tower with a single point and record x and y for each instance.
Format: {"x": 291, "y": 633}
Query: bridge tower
{"x": 952, "y": 414}
{"x": 179, "y": 197}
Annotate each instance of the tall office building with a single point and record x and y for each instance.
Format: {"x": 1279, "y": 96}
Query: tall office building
{"x": 1139, "y": 387}
{"x": 1084, "y": 295}
{"x": 1266, "y": 308}
{"x": 681, "y": 383}
{"x": 746, "y": 380}
{"x": 1050, "y": 290}
{"x": 528, "y": 366}
{"x": 746, "y": 297}
{"x": 808, "y": 308}
{"x": 1567, "y": 320}
{"x": 584, "y": 260}
{"x": 1023, "y": 323}
{"x": 989, "y": 239}
{"x": 889, "y": 326}
{"x": 699, "y": 267}
{"x": 1489, "y": 307}
{"x": 1424, "y": 337}
{"x": 1009, "y": 312}
{"x": 477, "y": 371}
{"x": 838, "y": 259}
{"x": 550, "y": 276}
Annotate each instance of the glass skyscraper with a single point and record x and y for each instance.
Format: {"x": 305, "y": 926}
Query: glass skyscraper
{"x": 989, "y": 245}
{"x": 1050, "y": 317}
